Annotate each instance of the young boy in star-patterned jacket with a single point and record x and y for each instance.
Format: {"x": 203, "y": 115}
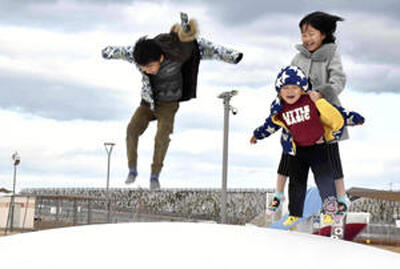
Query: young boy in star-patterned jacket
{"x": 309, "y": 123}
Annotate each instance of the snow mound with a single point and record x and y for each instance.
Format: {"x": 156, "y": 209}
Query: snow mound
{"x": 184, "y": 245}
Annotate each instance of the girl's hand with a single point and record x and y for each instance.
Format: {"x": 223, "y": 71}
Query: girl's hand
{"x": 314, "y": 95}
{"x": 253, "y": 140}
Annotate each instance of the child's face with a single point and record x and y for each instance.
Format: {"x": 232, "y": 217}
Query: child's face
{"x": 152, "y": 68}
{"x": 312, "y": 38}
{"x": 291, "y": 93}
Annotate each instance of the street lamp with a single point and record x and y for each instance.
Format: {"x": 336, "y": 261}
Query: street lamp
{"x": 108, "y": 146}
{"x": 226, "y": 96}
{"x": 16, "y": 159}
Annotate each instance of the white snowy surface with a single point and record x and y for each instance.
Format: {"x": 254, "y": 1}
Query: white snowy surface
{"x": 184, "y": 245}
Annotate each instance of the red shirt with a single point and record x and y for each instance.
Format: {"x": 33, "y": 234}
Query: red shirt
{"x": 302, "y": 120}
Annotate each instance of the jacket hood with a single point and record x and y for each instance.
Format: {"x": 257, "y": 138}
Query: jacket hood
{"x": 186, "y": 36}
{"x": 324, "y": 53}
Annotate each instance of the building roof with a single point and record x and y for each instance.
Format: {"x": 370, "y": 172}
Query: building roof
{"x": 375, "y": 194}
{"x": 4, "y": 190}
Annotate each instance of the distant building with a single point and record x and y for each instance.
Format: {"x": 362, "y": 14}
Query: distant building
{"x": 3, "y": 190}
{"x": 24, "y": 212}
{"x": 384, "y": 206}
{"x": 374, "y": 194}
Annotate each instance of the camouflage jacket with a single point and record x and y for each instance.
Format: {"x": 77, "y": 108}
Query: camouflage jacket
{"x": 206, "y": 51}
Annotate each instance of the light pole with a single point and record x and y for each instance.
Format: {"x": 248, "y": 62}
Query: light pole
{"x": 16, "y": 159}
{"x": 226, "y": 96}
{"x": 108, "y": 146}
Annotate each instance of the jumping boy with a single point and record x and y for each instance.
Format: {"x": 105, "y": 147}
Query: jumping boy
{"x": 169, "y": 64}
{"x": 309, "y": 123}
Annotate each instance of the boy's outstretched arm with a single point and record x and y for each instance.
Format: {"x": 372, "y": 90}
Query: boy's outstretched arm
{"x": 211, "y": 51}
{"x": 351, "y": 118}
{"x": 265, "y": 130}
{"x": 124, "y": 53}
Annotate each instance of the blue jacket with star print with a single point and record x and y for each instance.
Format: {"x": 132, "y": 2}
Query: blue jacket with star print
{"x": 333, "y": 118}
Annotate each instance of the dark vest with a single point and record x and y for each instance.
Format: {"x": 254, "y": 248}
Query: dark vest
{"x": 167, "y": 84}
{"x": 186, "y": 53}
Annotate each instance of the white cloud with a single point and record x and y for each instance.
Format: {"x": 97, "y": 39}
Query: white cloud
{"x": 371, "y": 39}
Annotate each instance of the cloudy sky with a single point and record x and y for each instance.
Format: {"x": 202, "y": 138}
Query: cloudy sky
{"x": 60, "y": 101}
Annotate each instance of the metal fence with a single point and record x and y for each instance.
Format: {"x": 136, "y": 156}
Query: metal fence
{"x": 52, "y": 211}
{"x": 59, "y": 211}
{"x": 133, "y": 204}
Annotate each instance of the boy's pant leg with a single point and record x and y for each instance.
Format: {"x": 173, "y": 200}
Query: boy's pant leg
{"x": 323, "y": 172}
{"x": 334, "y": 158}
{"x": 284, "y": 164}
{"x": 165, "y": 114}
{"x": 297, "y": 185}
{"x": 138, "y": 124}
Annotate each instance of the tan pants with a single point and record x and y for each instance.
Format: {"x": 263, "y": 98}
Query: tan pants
{"x": 165, "y": 116}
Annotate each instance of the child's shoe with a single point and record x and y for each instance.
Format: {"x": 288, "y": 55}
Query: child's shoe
{"x": 328, "y": 219}
{"x": 290, "y": 220}
{"x": 343, "y": 205}
{"x": 329, "y": 209}
{"x": 154, "y": 182}
{"x": 276, "y": 202}
{"x": 131, "y": 176}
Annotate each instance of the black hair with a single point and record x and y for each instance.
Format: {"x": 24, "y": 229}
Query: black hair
{"x": 323, "y": 22}
{"x": 146, "y": 51}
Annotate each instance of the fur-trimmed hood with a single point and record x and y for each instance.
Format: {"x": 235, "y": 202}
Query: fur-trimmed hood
{"x": 183, "y": 36}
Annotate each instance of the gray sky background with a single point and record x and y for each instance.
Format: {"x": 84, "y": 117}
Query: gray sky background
{"x": 59, "y": 100}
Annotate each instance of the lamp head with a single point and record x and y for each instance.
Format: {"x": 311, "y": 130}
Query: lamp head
{"x": 228, "y": 94}
{"x": 16, "y": 158}
{"x": 109, "y": 144}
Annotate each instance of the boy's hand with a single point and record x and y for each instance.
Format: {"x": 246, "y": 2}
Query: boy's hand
{"x": 106, "y": 52}
{"x": 314, "y": 95}
{"x": 253, "y": 140}
{"x": 355, "y": 119}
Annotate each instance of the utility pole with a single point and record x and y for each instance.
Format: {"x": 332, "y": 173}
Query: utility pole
{"x": 226, "y": 96}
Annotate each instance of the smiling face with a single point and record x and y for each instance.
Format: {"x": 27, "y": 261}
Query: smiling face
{"x": 312, "y": 38}
{"x": 291, "y": 93}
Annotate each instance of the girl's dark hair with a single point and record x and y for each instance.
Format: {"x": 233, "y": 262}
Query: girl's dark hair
{"x": 146, "y": 51}
{"x": 323, "y": 22}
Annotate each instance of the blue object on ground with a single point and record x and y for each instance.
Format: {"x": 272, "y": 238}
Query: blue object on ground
{"x": 312, "y": 205}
